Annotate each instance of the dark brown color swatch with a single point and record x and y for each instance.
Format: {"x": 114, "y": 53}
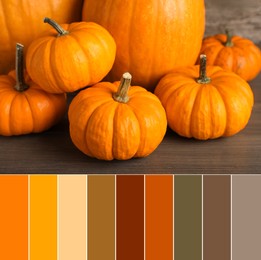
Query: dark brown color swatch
{"x": 130, "y": 217}
{"x": 216, "y": 217}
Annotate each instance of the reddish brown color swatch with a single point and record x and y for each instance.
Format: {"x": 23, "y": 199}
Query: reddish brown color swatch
{"x": 159, "y": 217}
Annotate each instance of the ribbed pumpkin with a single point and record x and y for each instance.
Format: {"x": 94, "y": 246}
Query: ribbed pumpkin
{"x": 24, "y": 107}
{"x": 152, "y": 37}
{"x": 233, "y": 53}
{"x": 21, "y": 21}
{"x": 112, "y": 121}
{"x": 208, "y": 106}
{"x": 71, "y": 56}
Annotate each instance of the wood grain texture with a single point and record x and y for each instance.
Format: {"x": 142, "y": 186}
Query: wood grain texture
{"x": 241, "y": 17}
{"x": 53, "y": 152}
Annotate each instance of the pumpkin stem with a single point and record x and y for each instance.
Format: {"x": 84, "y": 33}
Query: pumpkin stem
{"x": 122, "y": 94}
{"x": 56, "y": 26}
{"x": 203, "y": 78}
{"x": 19, "y": 67}
{"x": 229, "y": 42}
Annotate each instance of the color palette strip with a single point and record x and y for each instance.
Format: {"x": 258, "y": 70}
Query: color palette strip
{"x": 141, "y": 217}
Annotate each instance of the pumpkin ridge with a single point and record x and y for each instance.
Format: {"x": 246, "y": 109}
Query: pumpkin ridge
{"x": 12, "y": 106}
{"x": 74, "y": 106}
{"x": 212, "y": 110}
{"x": 87, "y": 72}
{"x": 115, "y": 130}
{"x": 145, "y": 145}
{"x": 29, "y": 105}
{"x": 141, "y": 133}
{"x": 236, "y": 62}
{"x": 47, "y": 42}
{"x": 238, "y": 91}
{"x": 86, "y": 130}
{"x": 55, "y": 75}
{"x": 195, "y": 87}
{"x": 34, "y": 46}
{"x": 15, "y": 94}
{"x": 197, "y": 98}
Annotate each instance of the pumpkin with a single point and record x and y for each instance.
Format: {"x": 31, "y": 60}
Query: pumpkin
{"x": 71, "y": 56}
{"x": 24, "y": 107}
{"x": 216, "y": 103}
{"x": 20, "y": 23}
{"x": 115, "y": 121}
{"x": 152, "y": 37}
{"x": 233, "y": 53}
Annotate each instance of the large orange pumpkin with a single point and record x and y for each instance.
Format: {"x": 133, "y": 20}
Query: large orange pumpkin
{"x": 234, "y": 53}
{"x": 115, "y": 121}
{"x": 70, "y": 56}
{"x": 24, "y": 107}
{"x": 152, "y": 37}
{"x": 205, "y": 105}
{"x": 21, "y": 21}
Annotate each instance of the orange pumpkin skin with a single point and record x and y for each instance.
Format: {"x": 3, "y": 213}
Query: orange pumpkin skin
{"x": 205, "y": 111}
{"x": 29, "y": 111}
{"x": 152, "y": 37}
{"x": 66, "y": 63}
{"x": 21, "y": 21}
{"x": 107, "y": 129}
{"x": 241, "y": 55}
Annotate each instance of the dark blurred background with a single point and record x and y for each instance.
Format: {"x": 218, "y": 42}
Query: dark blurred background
{"x": 242, "y": 17}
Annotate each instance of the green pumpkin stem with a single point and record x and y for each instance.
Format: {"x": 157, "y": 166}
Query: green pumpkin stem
{"x": 122, "y": 94}
{"x": 229, "y": 42}
{"x": 19, "y": 68}
{"x": 56, "y": 26}
{"x": 203, "y": 78}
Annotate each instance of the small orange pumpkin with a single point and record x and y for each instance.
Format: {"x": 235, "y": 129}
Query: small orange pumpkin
{"x": 24, "y": 107}
{"x": 205, "y": 107}
{"x": 71, "y": 56}
{"x": 110, "y": 121}
{"x": 20, "y": 23}
{"x": 233, "y": 53}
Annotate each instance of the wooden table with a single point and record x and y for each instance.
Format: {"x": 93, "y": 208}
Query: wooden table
{"x": 52, "y": 152}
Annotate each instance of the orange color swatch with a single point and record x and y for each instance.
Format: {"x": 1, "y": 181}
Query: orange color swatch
{"x": 159, "y": 217}
{"x": 43, "y": 217}
{"x": 13, "y": 217}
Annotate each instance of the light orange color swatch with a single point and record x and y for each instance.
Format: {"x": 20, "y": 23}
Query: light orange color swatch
{"x": 43, "y": 217}
{"x": 72, "y": 217}
{"x": 13, "y": 217}
{"x": 159, "y": 217}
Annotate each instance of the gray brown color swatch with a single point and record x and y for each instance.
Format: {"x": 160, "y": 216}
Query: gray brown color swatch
{"x": 216, "y": 217}
{"x": 246, "y": 217}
